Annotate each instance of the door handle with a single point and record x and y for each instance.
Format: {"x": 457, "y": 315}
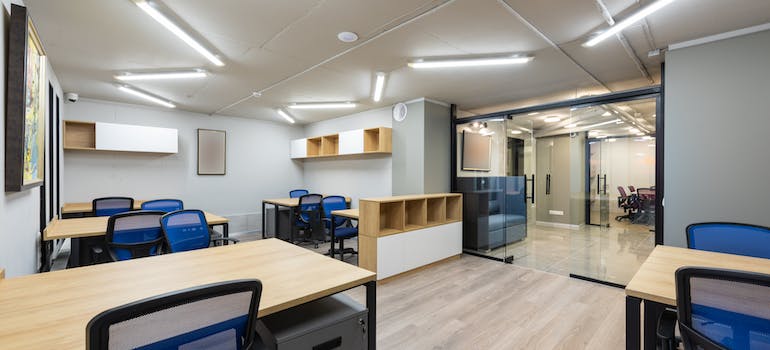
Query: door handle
{"x": 605, "y": 183}
{"x": 548, "y": 184}
{"x": 598, "y": 184}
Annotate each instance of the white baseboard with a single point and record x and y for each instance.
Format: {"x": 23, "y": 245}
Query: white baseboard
{"x": 558, "y": 225}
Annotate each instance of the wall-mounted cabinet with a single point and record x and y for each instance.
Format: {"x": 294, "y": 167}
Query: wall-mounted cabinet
{"x": 346, "y": 143}
{"x": 93, "y": 136}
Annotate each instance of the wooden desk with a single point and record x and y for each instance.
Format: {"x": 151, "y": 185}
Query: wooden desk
{"x": 655, "y": 284}
{"x": 84, "y": 231}
{"x": 290, "y": 203}
{"x": 52, "y": 309}
{"x": 347, "y": 213}
{"x": 87, "y": 207}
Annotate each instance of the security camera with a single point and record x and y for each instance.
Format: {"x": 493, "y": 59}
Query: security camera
{"x": 72, "y": 97}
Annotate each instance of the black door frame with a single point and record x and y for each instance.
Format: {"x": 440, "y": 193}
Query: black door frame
{"x": 614, "y": 97}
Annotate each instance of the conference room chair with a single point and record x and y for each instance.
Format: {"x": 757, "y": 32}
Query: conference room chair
{"x": 131, "y": 235}
{"x": 343, "y": 229}
{"x": 214, "y": 316}
{"x": 631, "y": 188}
{"x": 629, "y": 204}
{"x": 298, "y": 193}
{"x": 185, "y": 230}
{"x": 730, "y": 238}
{"x": 167, "y": 205}
{"x": 107, "y": 206}
{"x": 723, "y": 309}
{"x": 308, "y": 219}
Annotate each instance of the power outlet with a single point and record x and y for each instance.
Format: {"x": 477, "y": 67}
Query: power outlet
{"x": 556, "y": 212}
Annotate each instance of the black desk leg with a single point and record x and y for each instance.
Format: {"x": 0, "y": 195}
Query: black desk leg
{"x": 633, "y": 323}
{"x": 371, "y": 304}
{"x": 226, "y": 232}
{"x": 275, "y": 221}
{"x": 652, "y": 311}
{"x": 74, "y": 260}
{"x": 264, "y": 233}
{"x": 331, "y": 249}
{"x": 291, "y": 223}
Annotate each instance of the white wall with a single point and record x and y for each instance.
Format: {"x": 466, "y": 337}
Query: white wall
{"x": 627, "y": 162}
{"x": 355, "y": 178}
{"x": 717, "y": 98}
{"x": 258, "y": 163}
{"x": 19, "y": 211}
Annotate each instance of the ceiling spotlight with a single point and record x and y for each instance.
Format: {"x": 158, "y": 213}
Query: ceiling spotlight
{"x": 515, "y": 132}
{"x": 470, "y": 62}
{"x": 618, "y": 27}
{"x": 285, "y": 115}
{"x": 347, "y": 37}
{"x": 534, "y": 113}
{"x": 197, "y": 73}
{"x": 146, "y": 96}
{"x": 552, "y": 119}
{"x": 322, "y": 105}
{"x": 379, "y": 86}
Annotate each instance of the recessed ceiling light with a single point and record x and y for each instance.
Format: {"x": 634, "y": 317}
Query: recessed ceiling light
{"x": 606, "y": 114}
{"x": 191, "y": 74}
{"x": 618, "y": 27}
{"x": 347, "y": 37}
{"x": 534, "y": 113}
{"x": 552, "y": 119}
{"x": 515, "y": 132}
{"x": 150, "y": 9}
{"x": 322, "y": 105}
{"x": 285, "y": 115}
{"x": 146, "y": 96}
{"x": 470, "y": 62}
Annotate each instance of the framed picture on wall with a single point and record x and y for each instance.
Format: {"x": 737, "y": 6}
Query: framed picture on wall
{"x": 25, "y": 105}
{"x": 212, "y": 152}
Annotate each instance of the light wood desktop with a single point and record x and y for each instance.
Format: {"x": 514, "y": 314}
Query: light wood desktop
{"x": 52, "y": 309}
{"x": 655, "y": 284}
{"x": 96, "y": 226}
{"x": 87, "y": 207}
{"x": 347, "y": 213}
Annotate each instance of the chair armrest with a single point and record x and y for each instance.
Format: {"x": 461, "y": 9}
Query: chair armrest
{"x": 666, "y": 330}
{"x": 222, "y": 239}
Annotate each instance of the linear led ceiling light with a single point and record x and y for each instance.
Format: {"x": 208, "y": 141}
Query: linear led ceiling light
{"x": 190, "y": 74}
{"x": 322, "y": 105}
{"x": 618, "y": 27}
{"x": 379, "y": 86}
{"x": 285, "y": 115}
{"x": 146, "y": 96}
{"x": 151, "y": 10}
{"x": 470, "y": 62}
{"x": 603, "y": 123}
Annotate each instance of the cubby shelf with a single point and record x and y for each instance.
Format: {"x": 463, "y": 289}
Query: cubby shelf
{"x": 346, "y": 144}
{"x": 97, "y": 136}
{"x": 391, "y": 215}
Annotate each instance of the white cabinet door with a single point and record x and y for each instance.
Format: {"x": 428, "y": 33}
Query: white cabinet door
{"x": 299, "y": 148}
{"x": 133, "y": 138}
{"x": 352, "y": 142}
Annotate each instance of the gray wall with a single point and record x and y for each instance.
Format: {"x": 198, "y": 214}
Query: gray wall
{"x": 437, "y": 148}
{"x": 717, "y": 121}
{"x": 356, "y": 178}
{"x": 258, "y": 163}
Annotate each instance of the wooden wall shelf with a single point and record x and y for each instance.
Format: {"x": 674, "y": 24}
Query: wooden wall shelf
{"x": 392, "y": 215}
{"x": 95, "y": 136}
{"x": 344, "y": 144}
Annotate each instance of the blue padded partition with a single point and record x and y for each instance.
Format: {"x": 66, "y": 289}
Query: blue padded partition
{"x": 167, "y": 205}
{"x": 185, "y": 230}
{"x": 297, "y": 193}
{"x": 731, "y": 238}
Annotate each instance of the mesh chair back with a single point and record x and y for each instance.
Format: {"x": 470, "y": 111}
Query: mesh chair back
{"x": 310, "y": 208}
{"x": 134, "y": 234}
{"x": 297, "y": 193}
{"x": 167, "y": 205}
{"x": 646, "y": 193}
{"x": 731, "y": 238}
{"x": 112, "y": 205}
{"x": 185, "y": 230}
{"x": 622, "y": 191}
{"x": 631, "y": 188}
{"x": 723, "y": 309}
{"x": 214, "y": 316}
{"x": 332, "y": 203}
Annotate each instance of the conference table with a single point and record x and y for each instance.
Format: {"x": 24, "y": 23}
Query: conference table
{"x": 291, "y": 204}
{"x": 83, "y": 231}
{"x": 346, "y": 213}
{"x": 654, "y": 288}
{"x": 51, "y": 310}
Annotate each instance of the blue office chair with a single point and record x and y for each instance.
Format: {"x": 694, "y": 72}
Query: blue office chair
{"x": 214, "y": 316}
{"x": 308, "y": 219}
{"x": 343, "y": 229}
{"x": 731, "y": 238}
{"x": 167, "y": 205}
{"x": 723, "y": 309}
{"x": 107, "y": 206}
{"x": 130, "y": 235}
{"x": 188, "y": 230}
{"x": 297, "y": 193}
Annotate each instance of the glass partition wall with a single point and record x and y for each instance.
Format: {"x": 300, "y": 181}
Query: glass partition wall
{"x": 568, "y": 190}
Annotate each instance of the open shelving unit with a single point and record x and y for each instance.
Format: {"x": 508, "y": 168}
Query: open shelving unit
{"x": 360, "y": 142}
{"x": 98, "y": 136}
{"x": 79, "y": 135}
{"x": 392, "y": 215}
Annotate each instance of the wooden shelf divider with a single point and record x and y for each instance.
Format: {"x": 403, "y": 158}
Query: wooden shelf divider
{"x": 391, "y": 215}
{"x": 436, "y": 210}
{"x": 330, "y": 145}
{"x": 347, "y": 144}
{"x": 314, "y": 147}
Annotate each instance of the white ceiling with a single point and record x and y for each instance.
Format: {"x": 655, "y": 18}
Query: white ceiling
{"x": 269, "y": 46}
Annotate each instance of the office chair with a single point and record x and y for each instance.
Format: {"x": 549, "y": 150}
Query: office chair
{"x": 167, "y": 205}
{"x": 723, "y": 309}
{"x": 131, "y": 235}
{"x": 646, "y": 197}
{"x": 730, "y": 238}
{"x": 188, "y": 230}
{"x": 631, "y": 188}
{"x": 107, "y": 206}
{"x": 630, "y": 205}
{"x": 214, "y": 316}
{"x": 297, "y": 193}
{"x": 308, "y": 219}
{"x": 343, "y": 229}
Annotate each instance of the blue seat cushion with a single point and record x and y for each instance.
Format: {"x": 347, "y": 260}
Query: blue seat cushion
{"x": 498, "y": 221}
{"x": 345, "y": 232}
